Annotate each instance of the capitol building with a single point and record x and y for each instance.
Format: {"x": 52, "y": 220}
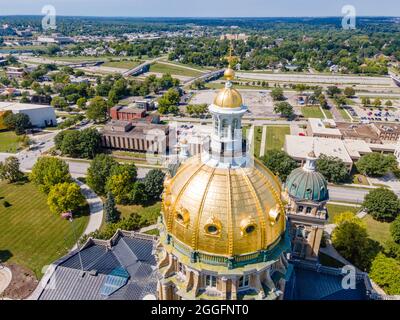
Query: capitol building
{"x": 229, "y": 230}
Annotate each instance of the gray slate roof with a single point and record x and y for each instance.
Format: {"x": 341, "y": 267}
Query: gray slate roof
{"x": 132, "y": 251}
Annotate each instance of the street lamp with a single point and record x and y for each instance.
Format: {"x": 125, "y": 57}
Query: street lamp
{"x": 68, "y": 216}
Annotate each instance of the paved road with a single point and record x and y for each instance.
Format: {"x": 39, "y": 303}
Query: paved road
{"x": 347, "y": 194}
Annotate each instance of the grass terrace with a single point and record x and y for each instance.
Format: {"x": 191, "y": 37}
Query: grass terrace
{"x": 174, "y": 70}
{"x": 9, "y": 142}
{"x": 378, "y": 231}
{"x": 30, "y": 235}
{"x": 312, "y": 112}
{"x": 276, "y": 137}
{"x": 122, "y": 64}
{"x": 336, "y": 209}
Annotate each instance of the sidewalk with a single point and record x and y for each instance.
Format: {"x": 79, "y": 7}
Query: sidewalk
{"x": 96, "y": 209}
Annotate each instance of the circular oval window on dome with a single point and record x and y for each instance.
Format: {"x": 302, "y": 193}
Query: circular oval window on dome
{"x": 250, "y": 229}
{"x": 212, "y": 229}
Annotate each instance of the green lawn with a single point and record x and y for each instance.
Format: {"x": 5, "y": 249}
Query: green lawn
{"x": 8, "y": 142}
{"x": 378, "y": 231}
{"x": 30, "y": 234}
{"x": 328, "y": 113}
{"x": 257, "y": 140}
{"x": 276, "y": 137}
{"x": 312, "y": 112}
{"x": 360, "y": 179}
{"x": 121, "y": 64}
{"x": 335, "y": 209}
{"x": 174, "y": 70}
{"x": 344, "y": 114}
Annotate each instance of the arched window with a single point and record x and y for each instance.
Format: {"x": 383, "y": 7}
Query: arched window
{"x": 235, "y": 126}
{"x": 225, "y": 126}
{"x": 216, "y": 125}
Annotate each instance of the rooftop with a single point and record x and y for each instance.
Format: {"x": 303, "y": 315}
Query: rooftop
{"x": 15, "y": 106}
{"x": 326, "y": 127}
{"x": 299, "y": 147}
{"x": 120, "y": 269}
{"x": 358, "y": 131}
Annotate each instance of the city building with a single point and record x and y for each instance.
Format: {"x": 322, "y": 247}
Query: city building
{"x": 299, "y": 147}
{"x": 307, "y": 194}
{"x": 134, "y": 112}
{"x": 54, "y": 38}
{"x": 348, "y": 150}
{"x": 135, "y": 136}
{"x": 15, "y": 72}
{"x": 323, "y": 128}
{"x": 236, "y": 36}
{"x": 40, "y": 115}
{"x": 397, "y": 152}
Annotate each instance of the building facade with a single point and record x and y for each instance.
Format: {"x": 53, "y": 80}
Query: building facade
{"x": 135, "y": 136}
{"x": 307, "y": 195}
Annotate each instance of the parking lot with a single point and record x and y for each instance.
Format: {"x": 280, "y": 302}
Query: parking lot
{"x": 260, "y": 103}
{"x": 382, "y": 114}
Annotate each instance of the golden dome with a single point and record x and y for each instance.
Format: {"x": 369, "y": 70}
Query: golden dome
{"x": 228, "y": 98}
{"x": 224, "y": 212}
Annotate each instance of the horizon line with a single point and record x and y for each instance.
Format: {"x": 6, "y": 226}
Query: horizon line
{"x": 196, "y": 17}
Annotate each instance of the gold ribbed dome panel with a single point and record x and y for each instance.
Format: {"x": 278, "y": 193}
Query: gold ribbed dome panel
{"x": 228, "y": 98}
{"x": 232, "y": 202}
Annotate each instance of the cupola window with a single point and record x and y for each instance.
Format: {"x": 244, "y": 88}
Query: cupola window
{"x": 244, "y": 281}
{"x": 212, "y": 229}
{"x": 211, "y": 281}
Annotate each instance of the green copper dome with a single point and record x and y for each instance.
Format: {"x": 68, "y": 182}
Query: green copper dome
{"x": 307, "y": 184}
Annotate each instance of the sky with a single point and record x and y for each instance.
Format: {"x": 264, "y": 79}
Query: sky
{"x": 202, "y": 8}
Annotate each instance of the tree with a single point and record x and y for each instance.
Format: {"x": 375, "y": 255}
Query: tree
{"x": 97, "y": 110}
{"x": 385, "y": 272}
{"x": 3, "y": 123}
{"x": 332, "y": 168}
{"x": 18, "y": 122}
{"x": 365, "y": 101}
{"x": 81, "y": 103}
{"x": 377, "y": 102}
{"x": 285, "y": 109}
{"x": 138, "y": 194}
{"x": 121, "y": 182}
{"x": 65, "y": 197}
{"x": 59, "y": 103}
{"x": 350, "y": 238}
{"x": 349, "y": 92}
{"x": 395, "y": 230}
{"x": 277, "y": 94}
{"x": 154, "y": 184}
{"x": 79, "y": 144}
{"x": 332, "y": 91}
{"x": 99, "y": 171}
{"x": 388, "y": 103}
{"x": 376, "y": 164}
{"x": 170, "y": 98}
{"x": 110, "y": 210}
{"x": 382, "y": 204}
{"x": 280, "y": 163}
{"x": 9, "y": 170}
{"x": 48, "y": 172}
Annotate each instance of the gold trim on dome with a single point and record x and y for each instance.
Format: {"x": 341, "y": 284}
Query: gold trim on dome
{"x": 258, "y": 206}
{"x": 170, "y": 217}
{"x": 229, "y": 217}
{"x": 195, "y": 237}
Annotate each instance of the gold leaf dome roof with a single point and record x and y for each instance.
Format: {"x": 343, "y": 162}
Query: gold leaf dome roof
{"x": 228, "y": 98}
{"x": 224, "y": 212}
